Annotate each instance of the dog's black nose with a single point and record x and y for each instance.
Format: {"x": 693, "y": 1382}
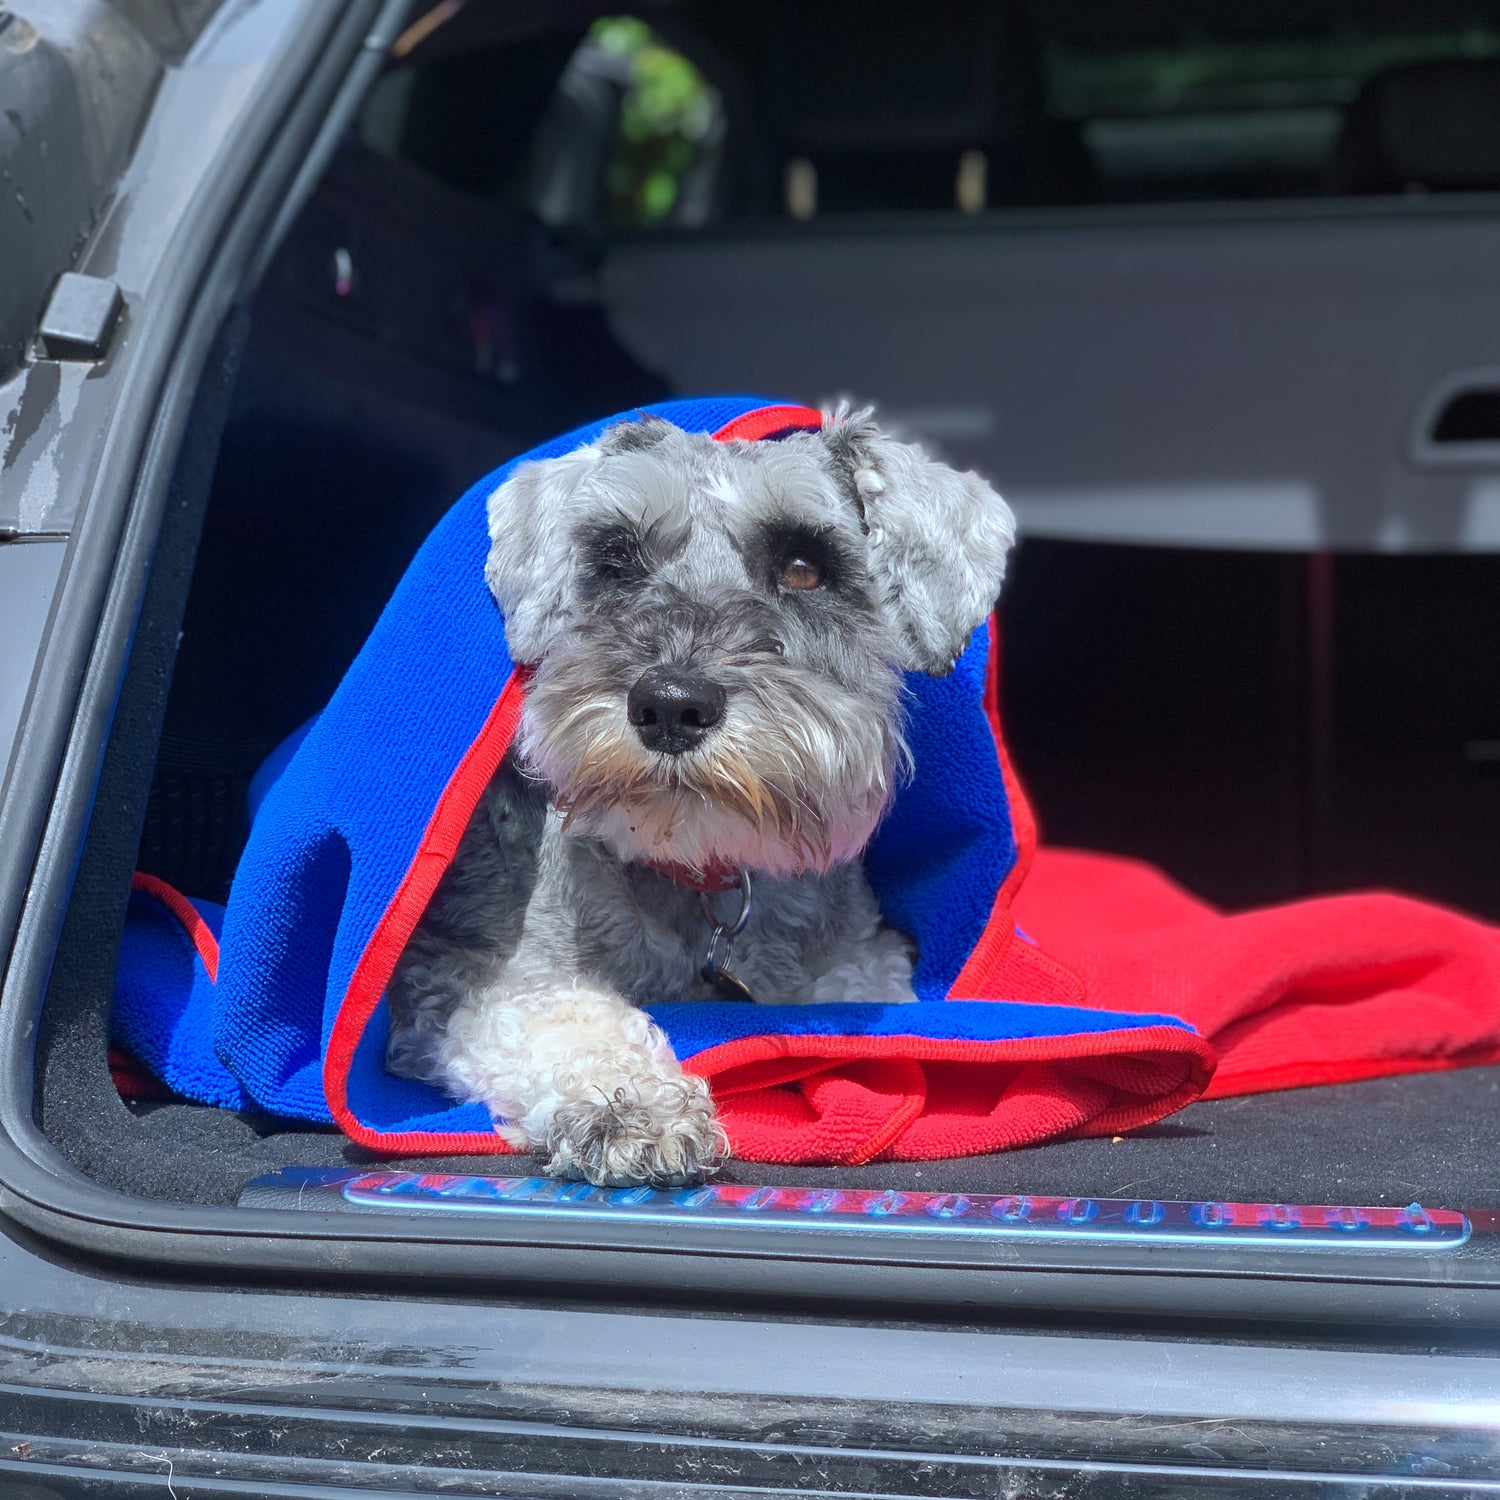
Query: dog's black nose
{"x": 672, "y": 708}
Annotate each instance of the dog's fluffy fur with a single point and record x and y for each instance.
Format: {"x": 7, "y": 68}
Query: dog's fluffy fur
{"x": 653, "y": 547}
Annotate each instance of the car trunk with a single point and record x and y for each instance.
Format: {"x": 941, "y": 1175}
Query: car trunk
{"x": 1234, "y": 703}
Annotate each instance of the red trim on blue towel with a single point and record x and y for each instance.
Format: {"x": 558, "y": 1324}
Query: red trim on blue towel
{"x": 377, "y": 963}
{"x": 770, "y": 422}
{"x": 133, "y": 1079}
{"x": 200, "y": 934}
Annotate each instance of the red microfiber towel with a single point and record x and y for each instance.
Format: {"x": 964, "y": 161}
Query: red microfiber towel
{"x": 1320, "y": 991}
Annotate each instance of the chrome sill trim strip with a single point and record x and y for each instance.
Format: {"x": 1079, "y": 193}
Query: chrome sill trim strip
{"x": 866, "y": 1213}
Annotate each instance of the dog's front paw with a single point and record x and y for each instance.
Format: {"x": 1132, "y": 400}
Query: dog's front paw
{"x": 656, "y": 1131}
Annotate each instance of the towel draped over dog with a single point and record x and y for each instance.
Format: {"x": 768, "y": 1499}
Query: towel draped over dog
{"x": 1108, "y": 1012}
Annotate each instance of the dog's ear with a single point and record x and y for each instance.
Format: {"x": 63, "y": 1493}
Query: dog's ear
{"x": 938, "y": 539}
{"x": 644, "y": 431}
{"x": 530, "y": 516}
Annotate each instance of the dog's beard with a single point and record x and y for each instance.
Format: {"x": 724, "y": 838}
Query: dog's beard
{"x": 783, "y": 787}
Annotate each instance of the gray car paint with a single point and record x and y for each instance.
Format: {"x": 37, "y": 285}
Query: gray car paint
{"x": 75, "y": 80}
{"x": 490, "y": 1395}
{"x": 56, "y": 415}
{"x": 28, "y": 580}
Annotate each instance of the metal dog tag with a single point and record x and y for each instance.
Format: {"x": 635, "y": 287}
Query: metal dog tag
{"x": 729, "y": 986}
{"x": 716, "y": 970}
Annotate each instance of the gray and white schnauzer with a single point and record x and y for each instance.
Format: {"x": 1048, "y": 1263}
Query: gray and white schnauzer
{"x": 712, "y": 731}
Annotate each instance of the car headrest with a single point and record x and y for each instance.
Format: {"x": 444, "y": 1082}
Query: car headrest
{"x": 1431, "y": 125}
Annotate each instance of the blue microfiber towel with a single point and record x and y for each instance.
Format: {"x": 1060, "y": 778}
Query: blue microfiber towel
{"x": 275, "y": 1003}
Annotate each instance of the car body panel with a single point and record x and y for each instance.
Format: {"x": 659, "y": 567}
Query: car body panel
{"x": 493, "y": 1395}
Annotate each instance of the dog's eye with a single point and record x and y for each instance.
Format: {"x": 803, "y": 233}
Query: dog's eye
{"x": 801, "y": 573}
{"x": 801, "y": 557}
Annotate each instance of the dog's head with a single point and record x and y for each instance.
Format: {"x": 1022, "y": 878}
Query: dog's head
{"x": 718, "y": 630}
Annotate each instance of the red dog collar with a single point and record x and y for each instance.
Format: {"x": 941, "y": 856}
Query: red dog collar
{"x": 709, "y": 882}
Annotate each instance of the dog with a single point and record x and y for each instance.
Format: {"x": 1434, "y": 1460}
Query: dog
{"x": 717, "y": 635}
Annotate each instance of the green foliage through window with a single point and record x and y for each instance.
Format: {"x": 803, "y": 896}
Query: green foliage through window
{"x": 667, "y": 115}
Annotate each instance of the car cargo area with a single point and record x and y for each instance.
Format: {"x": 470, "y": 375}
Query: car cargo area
{"x": 1234, "y": 363}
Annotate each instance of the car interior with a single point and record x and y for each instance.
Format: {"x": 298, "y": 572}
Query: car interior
{"x": 1210, "y": 292}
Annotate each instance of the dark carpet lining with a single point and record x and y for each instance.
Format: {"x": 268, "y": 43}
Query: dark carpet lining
{"x": 1387, "y": 1141}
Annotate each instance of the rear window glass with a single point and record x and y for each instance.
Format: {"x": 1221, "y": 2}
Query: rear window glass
{"x": 1236, "y": 119}
{"x": 697, "y": 113}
